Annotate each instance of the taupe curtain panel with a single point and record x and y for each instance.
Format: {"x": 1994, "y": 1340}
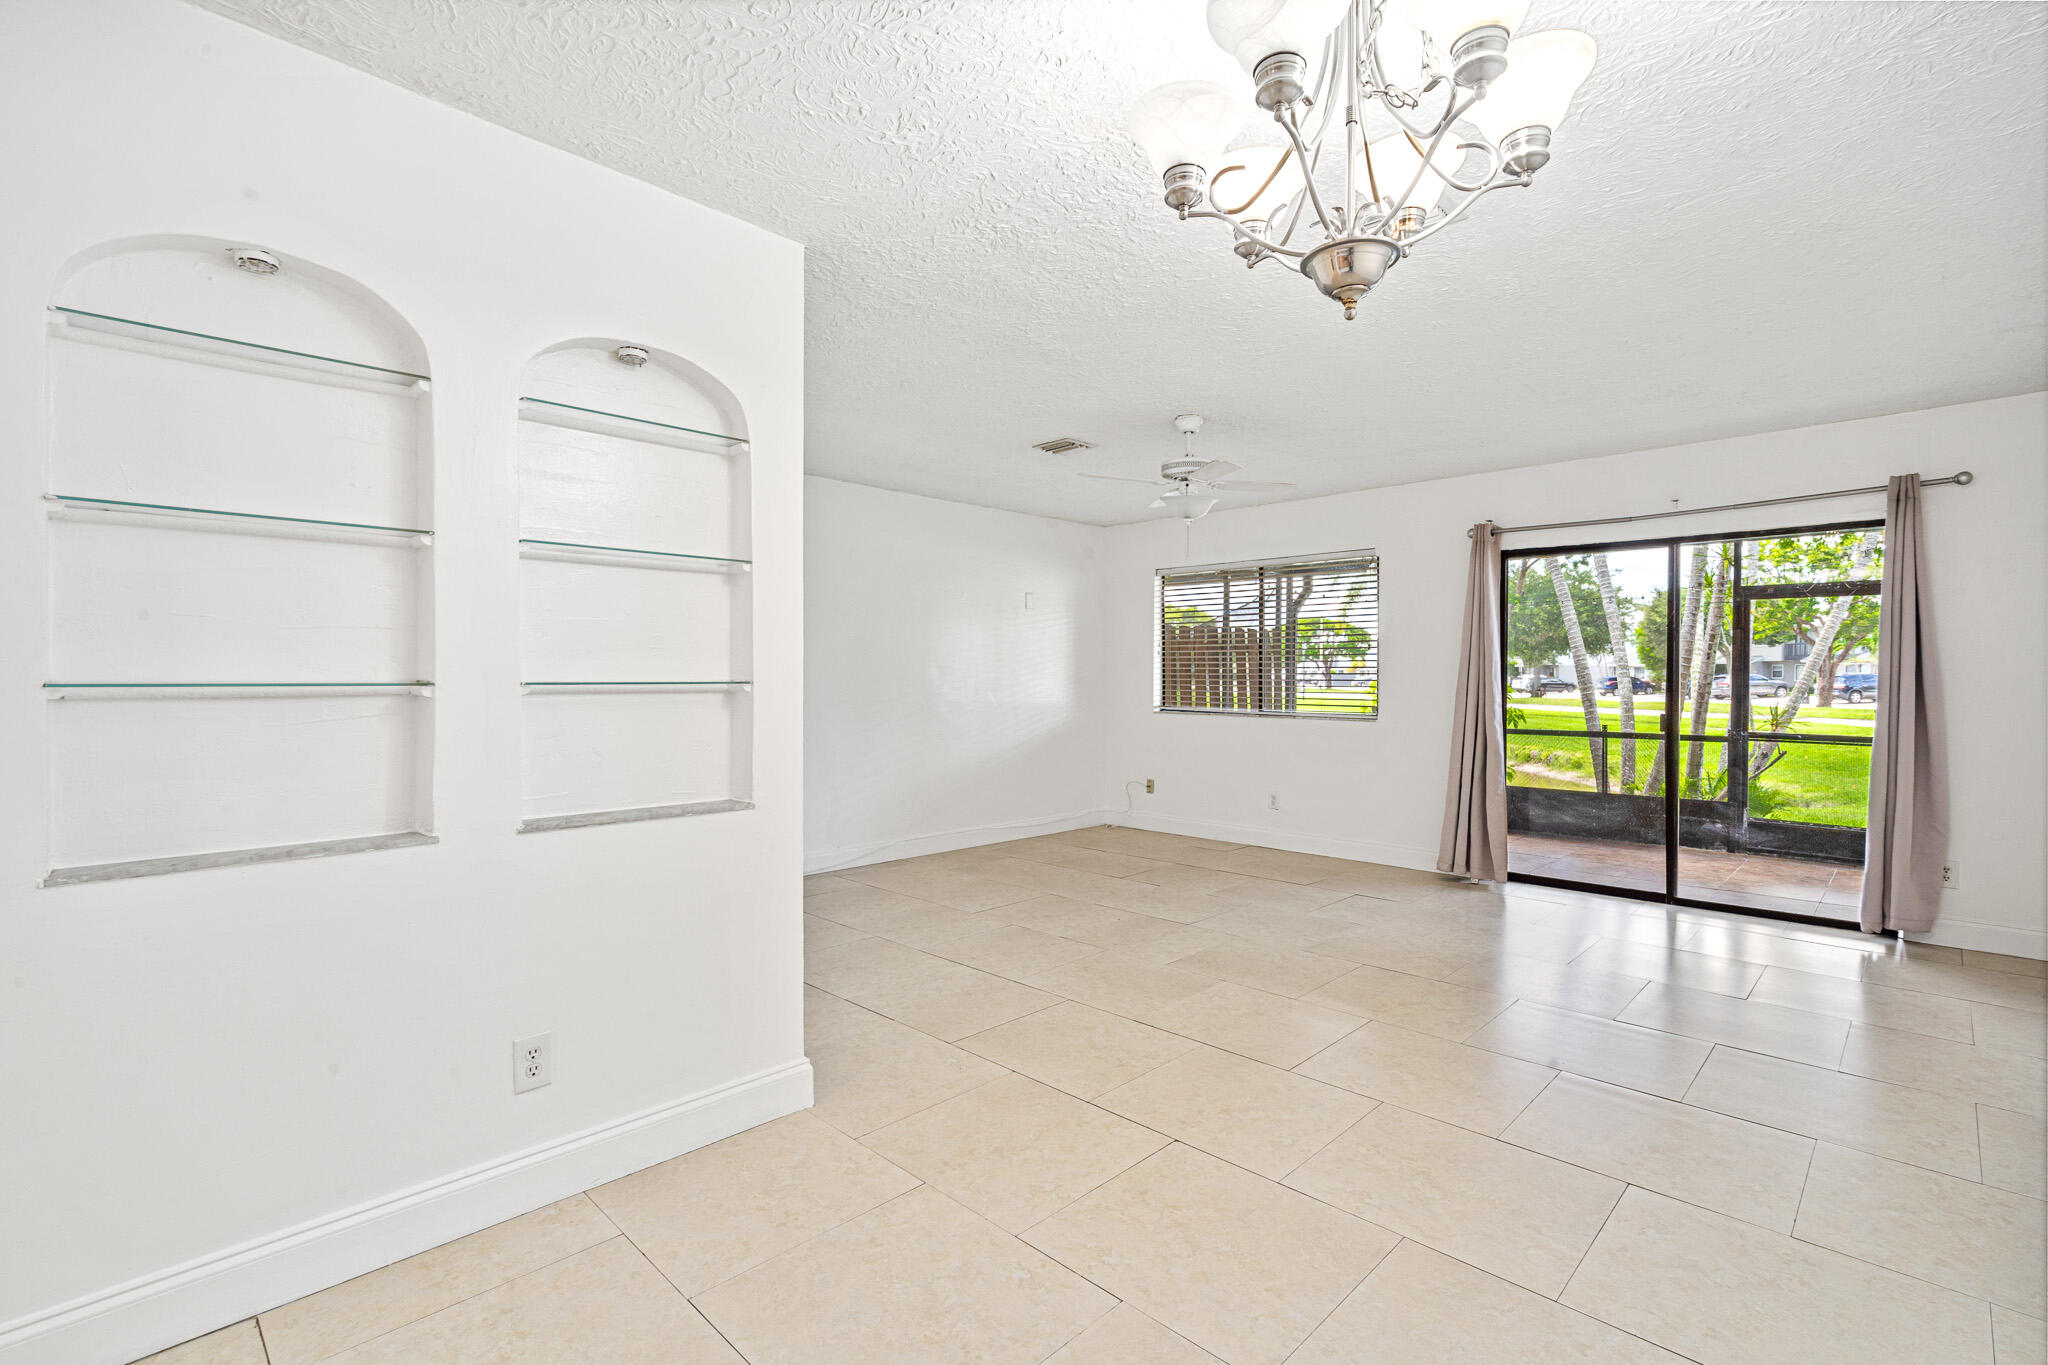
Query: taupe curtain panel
{"x": 1475, "y": 838}
{"x": 1908, "y": 831}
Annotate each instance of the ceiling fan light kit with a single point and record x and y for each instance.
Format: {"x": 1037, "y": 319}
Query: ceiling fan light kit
{"x": 1193, "y": 485}
{"x": 1491, "y": 93}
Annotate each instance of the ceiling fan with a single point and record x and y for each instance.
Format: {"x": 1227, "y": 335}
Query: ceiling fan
{"x": 1192, "y": 485}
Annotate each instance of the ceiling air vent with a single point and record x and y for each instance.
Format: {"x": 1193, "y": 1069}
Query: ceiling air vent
{"x": 1063, "y": 445}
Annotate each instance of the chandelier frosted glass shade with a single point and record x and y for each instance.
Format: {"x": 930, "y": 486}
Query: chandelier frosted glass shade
{"x": 1186, "y": 123}
{"x": 1253, "y": 30}
{"x": 1395, "y": 162}
{"x": 1446, "y": 21}
{"x": 1544, "y": 71}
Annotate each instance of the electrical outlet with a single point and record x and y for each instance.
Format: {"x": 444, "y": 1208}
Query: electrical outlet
{"x": 1272, "y": 800}
{"x": 1148, "y": 786}
{"x": 533, "y": 1063}
{"x": 1949, "y": 876}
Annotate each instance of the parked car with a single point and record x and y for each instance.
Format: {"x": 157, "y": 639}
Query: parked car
{"x": 1856, "y": 687}
{"x": 1759, "y": 686}
{"x": 1543, "y": 687}
{"x": 1611, "y": 686}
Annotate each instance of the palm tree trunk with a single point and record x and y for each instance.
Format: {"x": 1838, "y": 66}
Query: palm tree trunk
{"x": 1624, "y": 684}
{"x": 1676, "y": 673}
{"x": 1709, "y": 633}
{"x": 1583, "y": 665}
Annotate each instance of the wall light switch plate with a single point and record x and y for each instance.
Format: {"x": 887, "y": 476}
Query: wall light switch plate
{"x": 533, "y": 1063}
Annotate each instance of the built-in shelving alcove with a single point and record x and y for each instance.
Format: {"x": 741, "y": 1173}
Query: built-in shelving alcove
{"x": 240, "y": 532}
{"x": 636, "y": 589}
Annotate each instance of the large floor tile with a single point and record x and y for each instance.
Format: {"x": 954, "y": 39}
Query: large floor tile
{"x": 942, "y": 998}
{"x": 1980, "y": 1241}
{"x": 1730, "y": 1293}
{"x": 605, "y": 1304}
{"x": 1262, "y": 894}
{"x": 890, "y": 915}
{"x": 1062, "y": 853}
{"x": 1413, "y": 1002}
{"x": 1270, "y": 967}
{"x": 1738, "y": 1168}
{"x": 1935, "y": 1131}
{"x": 1127, "y": 1337}
{"x": 1229, "y": 1260}
{"x": 1014, "y": 1151}
{"x": 2001, "y": 962}
{"x": 1143, "y": 936}
{"x": 1865, "y": 1003}
{"x": 1776, "y": 950}
{"x": 1513, "y": 1213}
{"x": 1557, "y": 984}
{"x": 1624, "y": 1054}
{"x": 322, "y": 1324}
{"x": 1299, "y": 929}
{"x": 819, "y": 883}
{"x": 239, "y": 1344}
{"x": 1274, "y": 863}
{"x": 1467, "y": 1086}
{"x": 1267, "y": 1028}
{"x": 1960, "y": 982}
{"x": 1699, "y": 971}
{"x": 1144, "y": 843}
{"x": 2006, "y": 1030}
{"x": 1257, "y": 1116}
{"x": 867, "y": 1071}
{"x": 821, "y": 933}
{"x": 1773, "y": 1030}
{"x": 1012, "y": 951}
{"x": 1181, "y": 877}
{"x": 1078, "y": 1048}
{"x": 2015, "y": 1148}
{"x": 1421, "y": 1307}
{"x": 1066, "y": 917}
{"x": 919, "y": 1280}
{"x": 707, "y": 1215}
{"x": 1122, "y": 984}
{"x": 1400, "y": 947}
{"x": 1386, "y": 882}
{"x": 2004, "y": 1079}
{"x": 940, "y": 884}
{"x": 2021, "y": 1340}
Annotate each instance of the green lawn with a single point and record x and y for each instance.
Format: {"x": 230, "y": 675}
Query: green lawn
{"x": 1814, "y": 784}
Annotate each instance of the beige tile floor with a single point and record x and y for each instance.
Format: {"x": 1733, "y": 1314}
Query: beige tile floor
{"x": 1122, "y": 1098}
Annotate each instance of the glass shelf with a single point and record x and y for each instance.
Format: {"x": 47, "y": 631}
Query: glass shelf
{"x": 58, "y": 691}
{"x": 580, "y": 418}
{"x": 170, "y": 509}
{"x": 179, "y": 336}
{"x": 623, "y": 550}
{"x": 716, "y": 682}
{"x": 415, "y": 683}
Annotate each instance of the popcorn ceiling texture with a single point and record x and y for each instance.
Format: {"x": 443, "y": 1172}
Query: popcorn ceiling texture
{"x": 1761, "y": 216}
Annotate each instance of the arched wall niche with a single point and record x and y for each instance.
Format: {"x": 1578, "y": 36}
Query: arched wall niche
{"x": 239, "y": 578}
{"x": 635, "y": 587}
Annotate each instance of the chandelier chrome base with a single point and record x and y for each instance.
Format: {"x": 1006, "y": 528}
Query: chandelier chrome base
{"x": 1347, "y": 268}
{"x": 1479, "y": 57}
{"x": 1282, "y": 79}
{"x": 1525, "y": 151}
{"x": 1184, "y": 185}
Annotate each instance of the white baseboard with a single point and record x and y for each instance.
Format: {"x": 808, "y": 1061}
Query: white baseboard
{"x": 946, "y": 841}
{"x": 1981, "y": 936}
{"x": 1328, "y": 845}
{"x": 173, "y": 1305}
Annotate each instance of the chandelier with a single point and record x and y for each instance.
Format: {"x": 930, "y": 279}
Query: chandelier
{"x": 1469, "y": 108}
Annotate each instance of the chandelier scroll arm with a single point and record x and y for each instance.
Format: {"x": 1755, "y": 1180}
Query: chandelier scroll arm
{"x": 1284, "y": 118}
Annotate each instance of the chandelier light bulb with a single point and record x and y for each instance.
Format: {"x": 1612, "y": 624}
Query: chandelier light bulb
{"x": 1183, "y": 124}
{"x": 1529, "y": 103}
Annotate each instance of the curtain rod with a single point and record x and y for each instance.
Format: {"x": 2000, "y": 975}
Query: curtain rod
{"x": 1960, "y": 480}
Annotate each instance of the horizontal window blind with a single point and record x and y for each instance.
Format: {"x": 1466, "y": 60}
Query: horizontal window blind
{"x": 1295, "y": 638}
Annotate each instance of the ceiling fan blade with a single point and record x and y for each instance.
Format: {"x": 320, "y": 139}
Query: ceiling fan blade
{"x": 1118, "y": 478}
{"x": 1215, "y": 469}
{"x": 1236, "y": 487}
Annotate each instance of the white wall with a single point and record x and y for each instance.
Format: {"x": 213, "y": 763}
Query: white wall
{"x": 1375, "y": 790}
{"x": 226, "y": 1088}
{"x": 940, "y": 710}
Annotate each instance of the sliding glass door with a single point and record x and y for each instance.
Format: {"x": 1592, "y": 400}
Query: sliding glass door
{"x": 1713, "y": 754}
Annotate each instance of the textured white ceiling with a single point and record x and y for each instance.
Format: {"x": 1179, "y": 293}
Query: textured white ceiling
{"x": 1760, "y": 216}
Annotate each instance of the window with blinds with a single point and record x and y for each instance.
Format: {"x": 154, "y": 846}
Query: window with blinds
{"x": 1295, "y": 638}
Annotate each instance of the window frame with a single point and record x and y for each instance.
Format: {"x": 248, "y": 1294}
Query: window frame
{"x": 1283, "y": 564}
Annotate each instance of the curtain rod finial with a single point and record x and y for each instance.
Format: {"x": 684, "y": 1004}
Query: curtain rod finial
{"x": 1965, "y": 477}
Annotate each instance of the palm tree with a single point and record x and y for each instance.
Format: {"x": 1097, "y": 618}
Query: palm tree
{"x": 1709, "y": 635}
{"x": 1624, "y": 683}
{"x": 1583, "y": 666}
{"x": 1675, "y": 678}
{"x": 1816, "y": 662}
